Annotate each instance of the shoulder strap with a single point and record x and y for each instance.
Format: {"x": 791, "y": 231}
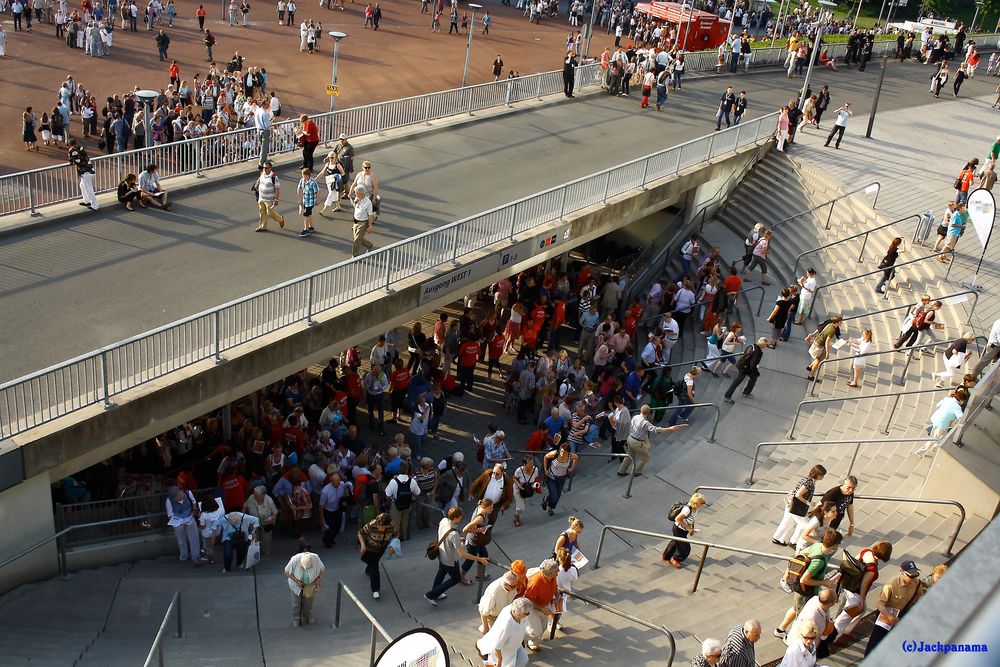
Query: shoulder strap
{"x": 450, "y": 531}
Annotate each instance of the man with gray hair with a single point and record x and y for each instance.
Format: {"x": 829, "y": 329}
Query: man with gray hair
{"x": 501, "y": 646}
{"x": 305, "y": 574}
{"x": 738, "y": 650}
{"x": 747, "y": 367}
{"x": 711, "y": 654}
{"x": 364, "y": 218}
{"x": 500, "y": 593}
{"x": 268, "y": 191}
{"x": 541, "y": 590}
{"x": 638, "y": 440}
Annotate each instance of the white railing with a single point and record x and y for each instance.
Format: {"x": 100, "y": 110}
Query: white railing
{"x": 96, "y": 377}
{"x": 30, "y": 190}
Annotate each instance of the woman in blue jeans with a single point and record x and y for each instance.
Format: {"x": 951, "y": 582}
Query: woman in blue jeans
{"x": 233, "y": 523}
{"x": 450, "y": 551}
{"x": 557, "y": 466}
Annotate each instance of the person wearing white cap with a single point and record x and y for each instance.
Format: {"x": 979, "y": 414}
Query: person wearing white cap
{"x": 305, "y": 574}
{"x": 501, "y": 646}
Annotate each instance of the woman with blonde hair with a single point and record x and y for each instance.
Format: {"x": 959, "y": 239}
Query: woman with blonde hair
{"x": 569, "y": 538}
{"x": 683, "y": 526}
{"x": 478, "y": 534}
{"x": 861, "y": 347}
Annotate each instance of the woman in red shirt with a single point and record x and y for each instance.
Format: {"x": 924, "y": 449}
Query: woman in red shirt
{"x": 308, "y": 135}
{"x": 399, "y": 382}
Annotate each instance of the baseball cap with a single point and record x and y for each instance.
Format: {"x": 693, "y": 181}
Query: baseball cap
{"x": 909, "y": 567}
{"x": 458, "y": 456}
{"x": 343, "y": 136}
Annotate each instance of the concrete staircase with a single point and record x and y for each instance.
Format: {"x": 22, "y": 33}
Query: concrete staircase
{"x": 108, "y": 617}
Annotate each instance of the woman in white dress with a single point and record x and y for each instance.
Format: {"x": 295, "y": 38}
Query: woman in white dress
{"x": 861, "y": 347}
{"x": 953, "y": 358}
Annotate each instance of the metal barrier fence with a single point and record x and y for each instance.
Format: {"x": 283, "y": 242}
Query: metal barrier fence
{"x": 30, "y": 190}
{"x": 92, "y": 514}
{"x": 98, "y": 376}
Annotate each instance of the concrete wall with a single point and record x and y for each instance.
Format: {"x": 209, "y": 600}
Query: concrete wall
{"x": 26, "y": 519}
{"x": 93, "y": 434}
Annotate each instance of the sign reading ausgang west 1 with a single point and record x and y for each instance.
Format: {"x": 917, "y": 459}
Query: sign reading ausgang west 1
{"x": 497, "y": 262}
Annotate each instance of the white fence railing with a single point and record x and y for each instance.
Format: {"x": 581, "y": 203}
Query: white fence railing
{"x": 96, "y": 377}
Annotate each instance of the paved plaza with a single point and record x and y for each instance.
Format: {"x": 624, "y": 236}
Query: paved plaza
{"x": 97, "y": 279}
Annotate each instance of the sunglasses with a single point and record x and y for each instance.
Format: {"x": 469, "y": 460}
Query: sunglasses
{"x": 809, "y": 637}
{"x": 367, "y": 167}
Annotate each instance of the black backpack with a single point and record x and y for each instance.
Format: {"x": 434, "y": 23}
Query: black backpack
{"x": 680, "y": 389}
{"x": 744, "y": 360}
{"x": 852, "y": 572}
{"x": 404, "y": 495}
{"x": 675, "y": 510}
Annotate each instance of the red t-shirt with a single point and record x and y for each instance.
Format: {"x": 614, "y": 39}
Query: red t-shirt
{"x": 185, "y": 480}
{"x": 496, "y": 347}
{"x": 536, "y": 442}
{"x": 200, "y": 12}
{"x": 468, "y": 353}
{"x": 558, "y": 313}
{"x": 354, "y": 386}
{"x": 234, "y": 491}
{"x": 732, "y": 284}
{"x": 309, "y": 131}
{"x": 538, "y": 314}
{"x": 400, "y": 379}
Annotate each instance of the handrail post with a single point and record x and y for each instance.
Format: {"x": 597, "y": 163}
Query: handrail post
{"x": 538, "y": 93}
{"x": 857, "y": 448}
{"x": 513, "y": 220}
{"x": 562, "y": 206}
{"x": 106, "y": 398}
{"x": 958, "y": 528}
{"x": 607, "y": 186}
{"x": 795, "y": 421}
{"x": 761, "y": 304}
{"x": 906, "y": 367}
{"x": 830, "y": 215}
{"x": 388, "y": 273}
{"x": 600, "y": 547}
{"x": 427, "y": 111}
{"x": 701, "y": 566}
{"x": 336, "y": 613}
{"x": 378, "y": 119}
{"x": 753, "y": 466}
{"x": 892, "y": 413}
{"x": 217, "y": 325}
{"x": 309, "y": 302}
{"x": 645, "y": 173}
{"x": 715, "y": 426}
{"x": 371, "y": 657}
{"x": 31, "y": 198}
{"x": 951, "y": 262}
{"x": 864, "y": 244}
{"x": 631, "y": 478}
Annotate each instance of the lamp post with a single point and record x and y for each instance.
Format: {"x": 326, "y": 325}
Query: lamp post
{"x": 777, "y": 23}
{"x": 687, "y": 23}
{"x": 857, "y": 15}
{"x": 590, "y": 34}
{"x": 817, "y": 45}
{"x": 147, "y": 97}
{"x": 979, "y": 6}
{"x": 337, "y": 36}
{"x": 468, "y": 45}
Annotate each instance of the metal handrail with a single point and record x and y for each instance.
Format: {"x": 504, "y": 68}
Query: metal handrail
{"x": 831, "y": 203}
{"x": 44, "y": 186}
{"x": 824, "y": 443}
{"x": 156, "y": 650}
{"x": 51, "y": 393}
{"x": 629, "y": 617}
{"x": 795, "y": 268}
{"x": 569, "y": 480}
{"x": 760, "y": 304}
{"x": 812, "y": 388}
{"x": 715, "y": 424}
{"x": 891, "y": 499}
{"x": 702, "y": 543}
{"x": 60, "y": 550}
{"x": 951, "y": 260}
{"x": 975, "y": 302}
{"x": 897, "y": 394}
{"x": 376, "y": 626}
{"x": 668, "y": 249}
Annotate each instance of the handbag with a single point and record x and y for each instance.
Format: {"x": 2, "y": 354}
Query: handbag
{"x": 434, "y": 548}
{"x": 253, "y": 555}
{"x": 958, "y": 183}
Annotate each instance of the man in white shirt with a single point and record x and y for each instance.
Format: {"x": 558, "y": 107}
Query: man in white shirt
{"x": 379, "y": 351}
{"x": 364, "y": 218}
{"x": 498, "y": 594}
{"x": 671, "y": 334}
{"x": 305, "y": 574}
{"x": 268, "y": 194}
{"x": 149, "y": 183}
{"x": 638, "y": 441}
{"x": 817, "y": 610}
{"x": 991, "y": 352}
{"x": 262, "y": 122}
{"x": 401, "y": 502}
{"x": 501, "y": 646}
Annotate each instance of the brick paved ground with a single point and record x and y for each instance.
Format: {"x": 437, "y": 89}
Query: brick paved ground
{"x": 403, "y": 58}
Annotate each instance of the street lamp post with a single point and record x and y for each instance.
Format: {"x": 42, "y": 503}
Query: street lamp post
{"x": 857, "y": 15}
{"x": 468, "y": 45}
{"x": 590, "y": 35}
{"x": 979, "y": 6}
{"x": 337, "y": 36}
{"x": 777, "y": 23}
{"x": 817, "y": 45}
{"x": 147, "y": 97}
{"x": 690, "y": 10}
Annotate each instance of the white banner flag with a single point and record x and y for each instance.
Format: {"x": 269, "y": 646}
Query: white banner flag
{"x": 982, "y": 211}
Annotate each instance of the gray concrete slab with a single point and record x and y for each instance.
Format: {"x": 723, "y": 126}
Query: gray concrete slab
{"x": 99, "y": 279}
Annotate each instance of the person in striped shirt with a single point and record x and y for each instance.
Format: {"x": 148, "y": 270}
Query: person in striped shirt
{"x": 308, "y": 190}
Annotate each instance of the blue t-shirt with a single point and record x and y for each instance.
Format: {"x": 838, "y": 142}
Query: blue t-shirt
{"x": 555, "y": 425}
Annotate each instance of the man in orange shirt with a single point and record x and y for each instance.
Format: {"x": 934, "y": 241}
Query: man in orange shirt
{"x": 541, "y": 591}
{"x": 965, "y": 180}
{"x": 732, "y": 285}
{"x": 468, "y": 357}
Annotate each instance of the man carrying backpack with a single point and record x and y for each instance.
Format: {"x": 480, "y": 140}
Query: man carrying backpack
{"x": 806, "y": 574}
{"x": 747, "y": 367}
{"x": 400, "y": 492}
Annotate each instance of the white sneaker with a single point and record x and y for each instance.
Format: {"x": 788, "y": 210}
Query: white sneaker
{"x": 784, "y": 585}
{"x": 376, "y": 595}
{"x": 532, "y": 646}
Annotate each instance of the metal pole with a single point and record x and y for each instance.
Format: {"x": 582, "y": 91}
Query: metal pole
{"x": 104, "y": 379}
{"x": 333, "y": 75}
{"x": 309, "y": 302}
{"x": 975, "y": 16}
{"x": 600, "y": 546}
{"x": 336, "y": 613}
{"x": 813, "y": 57}
{"x": 879, "y": 21}
{"x": 888, "y": 423}
{"x": 218, "y": 336}
{"x": 857, "y": 15}
{"x": 145, "y": 122}
{"x": 590, "y": 35}
{"x": 878, "y": 91}
{"x": 468, "y": 45}
{"x": 857, "y": 448}
{"x": 701, "y": 566}
{"x": 371, "y": 659}
{"x": 777, "y": 22}
{"x": 829, "y": 216}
